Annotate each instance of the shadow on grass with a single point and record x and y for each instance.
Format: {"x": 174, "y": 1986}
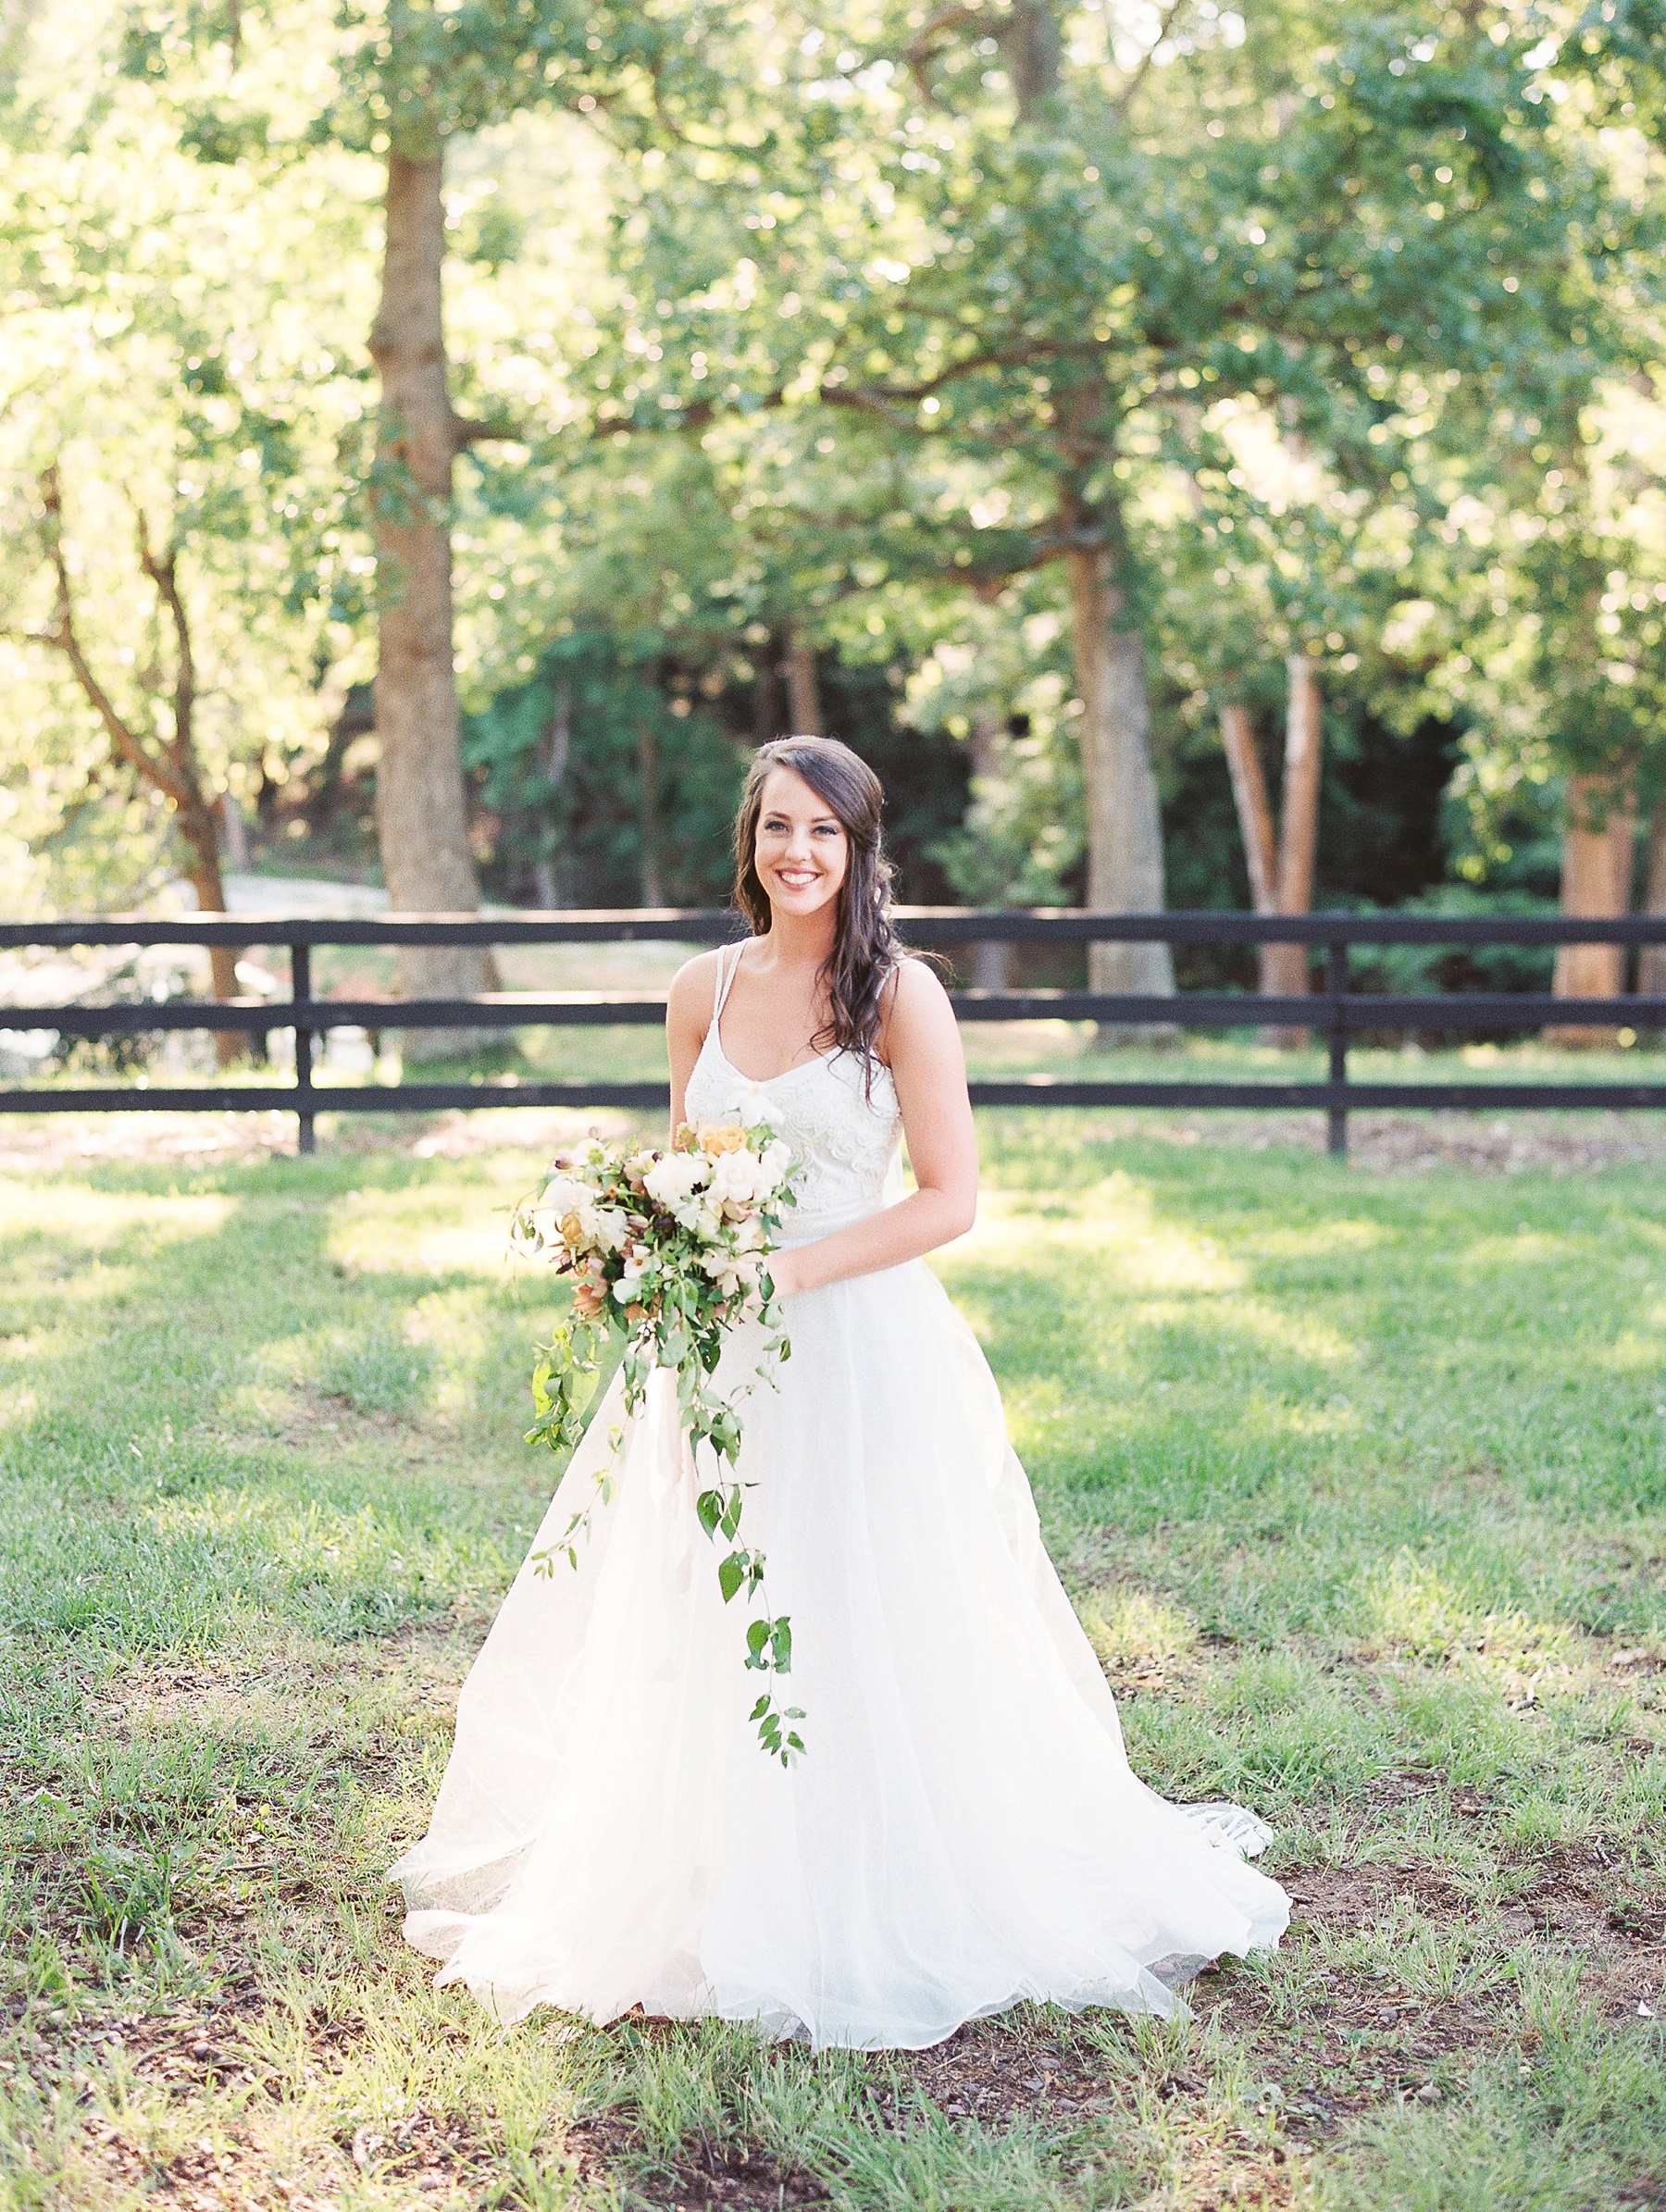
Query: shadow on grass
{"x": 215, "y": 1419}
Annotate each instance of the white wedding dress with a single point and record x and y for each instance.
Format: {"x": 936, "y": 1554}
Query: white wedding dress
{"x": 965, "y": 1830}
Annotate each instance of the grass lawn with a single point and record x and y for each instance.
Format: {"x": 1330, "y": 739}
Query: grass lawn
{"x": 1357, "y": 1479}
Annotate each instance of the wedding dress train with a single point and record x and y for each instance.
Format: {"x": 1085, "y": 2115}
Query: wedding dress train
{"x": 965, "y": 1830}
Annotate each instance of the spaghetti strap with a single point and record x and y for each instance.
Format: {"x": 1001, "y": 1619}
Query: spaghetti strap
{"x": 725, "y": 982}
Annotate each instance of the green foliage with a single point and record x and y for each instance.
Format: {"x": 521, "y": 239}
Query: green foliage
{"x": 1337, "y": 325}
{"x": 615, "y": 786}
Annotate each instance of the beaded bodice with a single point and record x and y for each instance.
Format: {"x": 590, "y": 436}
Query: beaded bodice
{"x": 844, "y": 1132}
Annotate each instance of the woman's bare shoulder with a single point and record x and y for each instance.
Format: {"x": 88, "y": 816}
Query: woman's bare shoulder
{"x": 694, "y": 987}
{"x": 916, "y": 1006}
{"x": 916, "y": 988}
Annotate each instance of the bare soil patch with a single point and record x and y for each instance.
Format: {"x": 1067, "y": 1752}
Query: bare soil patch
{"x": 732, "y": 2172}
{"x": 989, "y": 2072}
{"x": 54, "y": 1142}
{"x": 1489, "y": 1142}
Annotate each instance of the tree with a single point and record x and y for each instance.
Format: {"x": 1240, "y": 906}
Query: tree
{"x": 1024, "y": 286}
{"x": 408, "y": 79}
{"x": 170, "y": 466}
{"x": 1281, "y": 856}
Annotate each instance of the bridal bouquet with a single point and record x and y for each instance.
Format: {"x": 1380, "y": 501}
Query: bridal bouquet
{"x": 667, "y": 1248}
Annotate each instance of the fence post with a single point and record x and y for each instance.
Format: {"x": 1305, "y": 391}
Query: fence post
{"x": 1336, "y": 992}
{"x": 300, "y": 989}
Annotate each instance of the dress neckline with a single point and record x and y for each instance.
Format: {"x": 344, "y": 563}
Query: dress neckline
{"x": 715, "y": 1035}
{"x": 798, "y": 1067}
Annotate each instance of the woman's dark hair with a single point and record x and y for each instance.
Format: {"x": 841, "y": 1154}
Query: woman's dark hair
{"x": 866, "y": 950}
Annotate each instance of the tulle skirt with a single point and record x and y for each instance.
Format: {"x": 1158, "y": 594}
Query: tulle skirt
{"x": 965, "y": 1830}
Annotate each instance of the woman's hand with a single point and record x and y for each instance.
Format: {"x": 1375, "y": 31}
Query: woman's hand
{"x": 782, "y": 1274}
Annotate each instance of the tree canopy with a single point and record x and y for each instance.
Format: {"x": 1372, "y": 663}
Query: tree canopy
{"x": 1083, "y": 371}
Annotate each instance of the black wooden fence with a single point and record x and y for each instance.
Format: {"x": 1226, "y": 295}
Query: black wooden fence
{"x": 1335, "y": 1012}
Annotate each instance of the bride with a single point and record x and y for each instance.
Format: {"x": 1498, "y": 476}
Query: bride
{"x": 965, "y": 1830}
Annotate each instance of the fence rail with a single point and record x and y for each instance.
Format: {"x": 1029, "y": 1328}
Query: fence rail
{"x": 1336, "y": 1009}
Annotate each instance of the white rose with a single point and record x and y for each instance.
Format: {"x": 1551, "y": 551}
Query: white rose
{"x": 612, "y": 1228}
{"x": 562, "y": 1194}
{"x": 734, "y": 1177}
{"x": 669, "y": 1182}
{"x": 777, "y": 1163}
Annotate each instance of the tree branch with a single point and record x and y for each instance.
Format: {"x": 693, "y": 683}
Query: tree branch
{"x": 466, "y": 430}
{"x": 163, "y": 572}
{"x": 126, "y": 741}
{"x": 1125, "y": 99}
{"x": 930, "y": 38}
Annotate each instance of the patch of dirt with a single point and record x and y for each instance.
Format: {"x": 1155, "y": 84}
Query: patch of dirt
{"x": 1586, "y": 1896}
{"x": 1389, "y": 1143}
{"x": 205, "y": 2176}
{"x": 1414, "y": 1143}
{"x": 996, "y": 2072}
{"x": 1368, "y": 2040}
{"x": 732, "y": 2173}
{"x": 312, "y": 1415}
{"x": 433, "y": 2152}
{"x": 53, "y": 1141}
{"x": 433, "y": 2149}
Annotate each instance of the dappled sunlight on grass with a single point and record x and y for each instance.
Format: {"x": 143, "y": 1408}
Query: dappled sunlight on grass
{"x": 1125, "y": 1626}
{"x": 418, "y": 1231}
{"x": 1632, "y": 1353}
{"x": 1317, "y": 1240}
{"x": 1115, "y": 1222}
{"x": 96, "y": 1220}
{"x": 1410, "y": 1605}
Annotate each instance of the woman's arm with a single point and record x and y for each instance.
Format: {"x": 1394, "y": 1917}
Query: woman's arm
{"x": 688, "y": 1017}
{"x": 923, "y": 1046}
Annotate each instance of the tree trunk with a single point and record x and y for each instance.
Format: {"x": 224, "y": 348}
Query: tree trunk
{"x": 1032, "y": 48}
{"x": 1255, "y": 820}
{"x": 199, "y": 830}
{"x": 1284, "y": 971}
{"x": 1124, "y": 826}
{"x": 804, "y": 697}
{"x": 992, "y": 960}
{"x": 1651, "y": 960}
{"x": 1595, "y": 879}
{"x": 421, "y": 815}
